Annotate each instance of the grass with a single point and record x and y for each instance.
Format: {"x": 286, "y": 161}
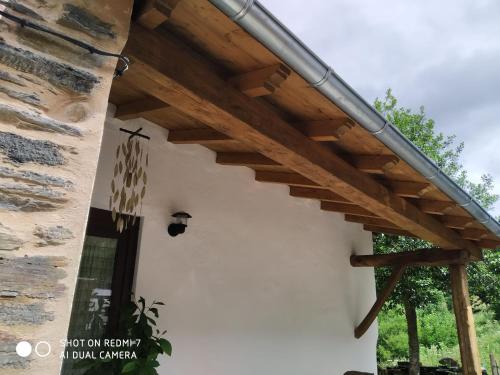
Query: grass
{"x": 437, "y": 335}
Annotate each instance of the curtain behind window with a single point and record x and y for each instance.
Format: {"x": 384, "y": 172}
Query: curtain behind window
{"x": 89, "y": 315}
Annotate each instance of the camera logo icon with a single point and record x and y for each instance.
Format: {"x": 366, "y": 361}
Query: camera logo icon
{"x": 24, "y": 349}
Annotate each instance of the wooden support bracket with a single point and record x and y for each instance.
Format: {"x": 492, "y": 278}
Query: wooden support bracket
{"x": 326, "y": 130}
{"x": 408, "y": 189}
{"x": 474, "y": 234}
{"x": 374, "y": 164}
{"x": 154, "y": 12}
{"x": 435, "y": 207}
{"x": 399, "y": 262}
{"x": 261, "y": 82}
{"x": 397, "y": 273}
{"x": 457, "y": 222}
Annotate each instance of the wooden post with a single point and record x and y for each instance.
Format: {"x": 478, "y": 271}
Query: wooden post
{"x": 469, "y": 353}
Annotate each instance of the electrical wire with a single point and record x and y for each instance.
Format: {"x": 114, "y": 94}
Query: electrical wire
{"x": 25, "y": 23}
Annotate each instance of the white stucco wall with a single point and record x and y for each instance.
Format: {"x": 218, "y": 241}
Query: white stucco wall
{"x": 260, "y": 283}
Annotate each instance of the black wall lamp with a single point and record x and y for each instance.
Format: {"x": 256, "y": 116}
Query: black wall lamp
{"x": 179, "y": 223}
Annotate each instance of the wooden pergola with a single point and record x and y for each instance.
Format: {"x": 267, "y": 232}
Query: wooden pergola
{"x": 198, "y": 74}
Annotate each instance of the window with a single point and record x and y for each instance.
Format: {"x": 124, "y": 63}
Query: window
{"x": 104, "y": 282}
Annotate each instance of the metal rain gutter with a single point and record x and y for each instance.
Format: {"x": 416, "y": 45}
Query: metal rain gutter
{"x": 261, "y": 24}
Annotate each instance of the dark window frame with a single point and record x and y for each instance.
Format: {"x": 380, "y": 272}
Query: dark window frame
{"x": 100, "y": 224}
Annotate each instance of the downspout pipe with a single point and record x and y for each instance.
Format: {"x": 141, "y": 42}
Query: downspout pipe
{"x": 262, "y": 25}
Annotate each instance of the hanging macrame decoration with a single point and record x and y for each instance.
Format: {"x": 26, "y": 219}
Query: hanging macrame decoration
{"x": 128, "y": 186}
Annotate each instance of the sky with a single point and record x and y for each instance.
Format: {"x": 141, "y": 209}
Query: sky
{"x": 444, "y": 55}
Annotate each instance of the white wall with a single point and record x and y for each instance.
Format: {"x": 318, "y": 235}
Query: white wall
{"x": 260, "y": 283}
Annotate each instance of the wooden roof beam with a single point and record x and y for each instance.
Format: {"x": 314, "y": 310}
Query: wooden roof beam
{"x": 139, "y": 108}
{"x": 377, "y": 164}
{"x": 159, "y": 63}
{"x": 154, "y": 12}
{"x": 422, "y": 257}
{"x": 261, "y": 82}
{"x": 326, "y": 130}
{"x": 314, "y": 193}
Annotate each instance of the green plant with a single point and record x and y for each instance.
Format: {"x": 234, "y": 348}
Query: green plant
{"x": 138, "y": 329}
{"x": 437, "y": 333}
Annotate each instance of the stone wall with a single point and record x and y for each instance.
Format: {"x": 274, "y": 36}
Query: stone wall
{"x": 53, "y": 99}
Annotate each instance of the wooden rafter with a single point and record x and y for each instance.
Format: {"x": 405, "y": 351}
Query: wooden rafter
{"x": 248, "y": 159}
{"x": 293, "y": 179}
{"x": 159, "y": 68}
{"x": 155, "y": 12}
{"x": 314, "y": 193}
{"x": 139, "y": 108}
{"x": 370, "y": 221}
{"x": 365, "y": 163}
{"x": 200, "y": 136}
{"x": 346, "y": 208}
{"x": 387, "y": 230}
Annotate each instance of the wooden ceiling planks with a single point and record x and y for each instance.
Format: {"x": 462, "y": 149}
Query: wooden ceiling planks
{"x": 220, "y": 40}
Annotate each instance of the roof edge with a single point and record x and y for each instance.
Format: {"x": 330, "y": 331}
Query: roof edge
{"x": 262, "y": 25}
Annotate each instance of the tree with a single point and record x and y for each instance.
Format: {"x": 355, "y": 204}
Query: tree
{"x": 422, "y": 286}
{"x": 484, "y": 280}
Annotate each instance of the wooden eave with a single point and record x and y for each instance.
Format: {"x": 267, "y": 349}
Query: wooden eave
{"x": 205, "y": 79}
